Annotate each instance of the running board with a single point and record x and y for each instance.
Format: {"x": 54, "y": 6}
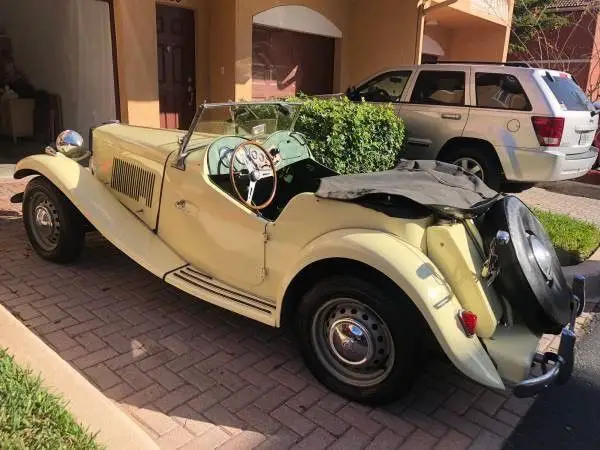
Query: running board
{"x": 204, "y": 287}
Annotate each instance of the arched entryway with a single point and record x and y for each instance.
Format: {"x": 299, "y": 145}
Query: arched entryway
{"x": 432, "y": 51}
{"x": 293, "y": 50}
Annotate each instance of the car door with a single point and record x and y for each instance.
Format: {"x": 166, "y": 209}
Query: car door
{"x": 209, "y": 229}
{"x": 386, "y": 88}
{"x": 434, "y": 109}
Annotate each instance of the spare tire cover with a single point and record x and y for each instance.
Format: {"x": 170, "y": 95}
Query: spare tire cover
{"x": 543, "y": 299}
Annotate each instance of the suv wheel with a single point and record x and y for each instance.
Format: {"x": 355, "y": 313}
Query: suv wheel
{"x": 478, "y": 162}
{"x": 353, "y": 341}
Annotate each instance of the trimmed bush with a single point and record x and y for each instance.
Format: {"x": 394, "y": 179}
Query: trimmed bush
{"x": 351, "y": 137}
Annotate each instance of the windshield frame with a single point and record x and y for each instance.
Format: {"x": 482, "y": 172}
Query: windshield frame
{"x": 184, "y": 141}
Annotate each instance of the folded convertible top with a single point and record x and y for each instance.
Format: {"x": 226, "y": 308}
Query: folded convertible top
{"x": 444, "y": 188}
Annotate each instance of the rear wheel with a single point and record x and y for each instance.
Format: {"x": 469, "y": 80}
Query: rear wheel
{"x": 54, "y": 227}
{"x": 476, "y": 161}
{"x": 358, "y": 339}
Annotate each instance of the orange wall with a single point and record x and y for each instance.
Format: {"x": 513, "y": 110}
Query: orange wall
{"x": 383, "y": 34}
{"x": 476, "y": 44}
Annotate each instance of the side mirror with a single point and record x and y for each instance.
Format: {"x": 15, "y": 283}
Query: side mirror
{"x": 352, "y": 93}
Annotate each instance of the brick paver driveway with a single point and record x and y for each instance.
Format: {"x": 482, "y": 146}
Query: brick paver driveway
{"x": 196, "y": 376}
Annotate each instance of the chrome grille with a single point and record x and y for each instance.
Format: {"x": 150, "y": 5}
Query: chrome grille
{"x": 132, "y": 181}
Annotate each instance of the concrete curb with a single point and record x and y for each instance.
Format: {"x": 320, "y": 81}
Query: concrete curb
{"x": 116, "y": 430}
{"x": 590, "y": 269}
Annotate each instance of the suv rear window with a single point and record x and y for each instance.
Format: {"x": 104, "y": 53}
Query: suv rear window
{"x": 568, "y": 93}
{"x": 436, "y": 87}
{"x": 500, "y": 91}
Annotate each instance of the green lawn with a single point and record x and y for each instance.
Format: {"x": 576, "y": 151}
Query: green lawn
{"x": 574, "y": 240}
{"x": 32, "y": 418}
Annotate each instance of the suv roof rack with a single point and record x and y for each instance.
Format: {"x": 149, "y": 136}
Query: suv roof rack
{"x": 487, "y": 63}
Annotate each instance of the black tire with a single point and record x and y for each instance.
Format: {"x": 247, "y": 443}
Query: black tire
{"x": 542, "y": 299}
{"x": 492, "y": 172}
{"x": 66, "y": 232}
{"x": 392, "y": 308}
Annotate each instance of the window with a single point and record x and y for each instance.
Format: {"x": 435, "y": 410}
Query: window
{"x": 436, "y": 87}
{"x": 500, "y": 91}
{"x": 568, "y": 93}
{"x": 385, "y": 88}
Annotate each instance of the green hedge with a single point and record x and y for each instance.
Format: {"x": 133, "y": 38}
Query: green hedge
{"x": 351, "y": 137}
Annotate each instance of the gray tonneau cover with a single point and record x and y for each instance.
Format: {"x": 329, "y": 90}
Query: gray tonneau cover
{"x": 443, "y": 188}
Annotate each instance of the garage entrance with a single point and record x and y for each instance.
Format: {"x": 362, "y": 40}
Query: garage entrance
{"x": 287, "y": 62}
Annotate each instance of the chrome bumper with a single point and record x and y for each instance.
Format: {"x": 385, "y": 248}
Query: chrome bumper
{"x": 563, "y": 361}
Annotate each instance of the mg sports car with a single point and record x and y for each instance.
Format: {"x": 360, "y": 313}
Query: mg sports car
{"x": 363, "y": 268}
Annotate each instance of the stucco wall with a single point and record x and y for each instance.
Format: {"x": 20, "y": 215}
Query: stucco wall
{"x": 477, "y": 44}
{"x": 383, "y": 34}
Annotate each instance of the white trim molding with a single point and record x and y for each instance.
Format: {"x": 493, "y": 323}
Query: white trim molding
{"x": 298, "y": 18}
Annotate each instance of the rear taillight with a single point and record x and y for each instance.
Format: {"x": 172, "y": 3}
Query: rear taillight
{"x": 549, "y": 130}
{"x": 468, "y": 320}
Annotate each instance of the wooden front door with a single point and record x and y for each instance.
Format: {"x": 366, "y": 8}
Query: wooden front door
{"x": 176, "y": 66}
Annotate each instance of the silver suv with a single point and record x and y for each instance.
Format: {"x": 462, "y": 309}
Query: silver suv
{"x": 502, "y": 122}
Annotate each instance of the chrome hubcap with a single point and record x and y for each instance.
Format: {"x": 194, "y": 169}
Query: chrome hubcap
{"x": 470, "y": 165}
{"x": 45, "y": 223}
{"x": 353, "y": 342}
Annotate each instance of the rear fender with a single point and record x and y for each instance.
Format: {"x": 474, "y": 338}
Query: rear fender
{"x": 420, "y": 280}
{"x": 95, "y": 202}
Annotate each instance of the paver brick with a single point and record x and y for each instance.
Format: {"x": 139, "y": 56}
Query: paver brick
{"x": 487, "y": 440}
{"x": 419, "y": 440}
{"x": 316, "y": 440}
{"x": 176, "y": 438}
{"x": 60, "y": 340}
{"x": 399, "y": 425}
{"x": 175, "y": 398}
{"x": 453, "y": 440}
{"x": 135, "y": 377}
{"x": 259, "y": 420}
{"x": 294, "y": 421}
{"x": 211, "y": 439}
{"x": 385, "y": 440}
{"x": 165, "y": 377}
{"x": 354, "y": 415}
{"x": 352, "y": 439}
{"x": 489, "y": 423}
{"x": 155, "y": 420}
{"x": 102, "y": 376}
{"x": 209, "y": 398}
{"x": 91, "y": 359}
{"x": 243, "y": 440}
{"x": 328, "y": 421}
{"x": 457, "y": 422}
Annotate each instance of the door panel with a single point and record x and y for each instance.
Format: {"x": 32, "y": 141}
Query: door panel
{"x": 436, "y": 111}
{"x": 176, "y": 66}
{"x": 209, "y": 229}
{"x": 286, "y": 62}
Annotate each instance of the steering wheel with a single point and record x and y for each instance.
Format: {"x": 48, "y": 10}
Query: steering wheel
{"x": 259, "y": 165}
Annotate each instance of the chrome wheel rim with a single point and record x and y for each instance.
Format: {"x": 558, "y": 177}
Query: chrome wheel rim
{"x": 352, "y": 342}
{"x": 44, "y": 222}
{"x": 471, "y": 166}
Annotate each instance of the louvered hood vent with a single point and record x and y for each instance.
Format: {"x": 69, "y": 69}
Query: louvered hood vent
{"x": 133, "y": 181}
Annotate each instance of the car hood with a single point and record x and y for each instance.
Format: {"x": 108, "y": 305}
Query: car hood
{"x": 444, "y": 188}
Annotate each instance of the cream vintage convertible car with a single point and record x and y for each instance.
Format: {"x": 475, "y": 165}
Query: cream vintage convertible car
{"x": 365, "y": 267}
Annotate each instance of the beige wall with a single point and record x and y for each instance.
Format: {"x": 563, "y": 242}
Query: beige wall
{"x": 477, "y": 44}
{"x": 383, "y": 34}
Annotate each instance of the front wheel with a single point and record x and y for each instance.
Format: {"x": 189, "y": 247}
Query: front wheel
{"x": 358, "y": 339}
{"x": 53, "y": 225}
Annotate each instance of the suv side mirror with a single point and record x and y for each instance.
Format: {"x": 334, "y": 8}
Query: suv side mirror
{"x": 352, "y": 93}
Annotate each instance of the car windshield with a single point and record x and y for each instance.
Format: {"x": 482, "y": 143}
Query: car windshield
{"x": 250, "y": 120}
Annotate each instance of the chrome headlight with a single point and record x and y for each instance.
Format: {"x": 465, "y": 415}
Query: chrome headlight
{"x": 70, "y": 144}
{"x": 542, "y": 256}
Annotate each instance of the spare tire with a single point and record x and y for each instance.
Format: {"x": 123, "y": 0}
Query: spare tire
{"x": 531, "y": 277}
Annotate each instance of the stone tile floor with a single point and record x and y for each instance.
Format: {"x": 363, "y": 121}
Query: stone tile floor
{"x": 196, "y": 376}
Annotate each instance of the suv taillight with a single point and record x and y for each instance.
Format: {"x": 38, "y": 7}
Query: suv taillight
{"x": 549, "y": 130}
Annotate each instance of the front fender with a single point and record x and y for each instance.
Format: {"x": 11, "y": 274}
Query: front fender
{"x": 115, "y": 222}
{"x": 418, "y": 277}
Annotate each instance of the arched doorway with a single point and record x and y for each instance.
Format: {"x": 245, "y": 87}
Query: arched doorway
{"x": 432, "y": 51}
{"x": 293, "y": 50}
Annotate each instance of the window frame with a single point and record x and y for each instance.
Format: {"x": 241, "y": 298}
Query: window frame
{"x": 475, "y": 100}
{"x": 381, "y": 76}
{"x": 465, "y": 102}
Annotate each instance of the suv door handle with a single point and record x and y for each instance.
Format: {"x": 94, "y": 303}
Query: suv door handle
{"x": 452, "y": 116}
